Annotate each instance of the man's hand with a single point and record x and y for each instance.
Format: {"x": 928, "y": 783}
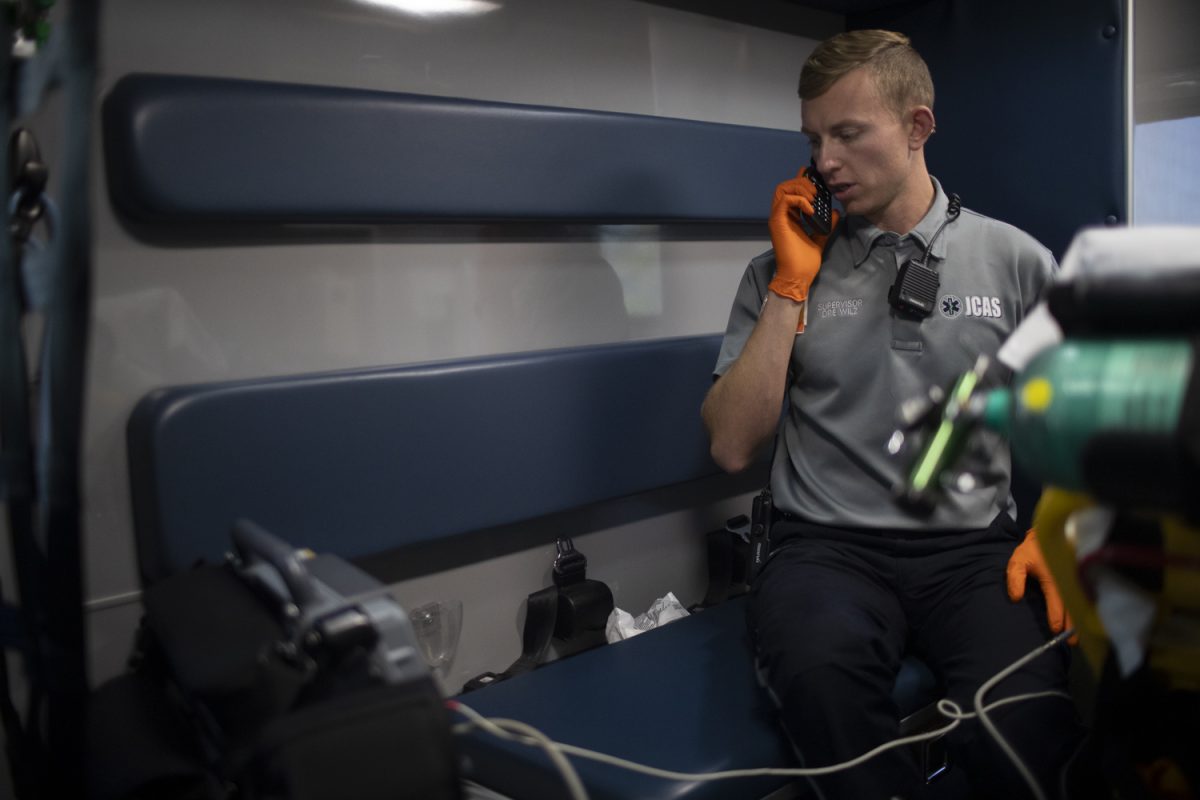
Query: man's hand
{"x": 797, "y": 255}
{"x": 1026, "y": 562}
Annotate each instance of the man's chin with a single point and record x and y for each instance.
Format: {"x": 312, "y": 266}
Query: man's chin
{"x": 858, "y": 207}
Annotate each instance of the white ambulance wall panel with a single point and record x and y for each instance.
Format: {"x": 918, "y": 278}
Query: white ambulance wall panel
{"x": 167, "y": 314}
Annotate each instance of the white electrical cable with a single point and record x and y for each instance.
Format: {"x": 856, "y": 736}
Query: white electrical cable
{"x": 980, "y": 710}
{"x": 491, "y": 724}
{"x": 515, "y": 730}
{"x": 525, "y": 734}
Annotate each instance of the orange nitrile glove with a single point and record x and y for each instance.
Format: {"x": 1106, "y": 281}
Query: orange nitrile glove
{"x": 797, "y": 255}
{"x": 1027, "y": 561}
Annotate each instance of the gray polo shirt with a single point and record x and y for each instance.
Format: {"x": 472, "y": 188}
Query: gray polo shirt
{"x": 858, "y": 360}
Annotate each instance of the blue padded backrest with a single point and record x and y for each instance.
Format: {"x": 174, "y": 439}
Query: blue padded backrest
{"x": 186, "y": 149}
{"x": 358, "y": 462}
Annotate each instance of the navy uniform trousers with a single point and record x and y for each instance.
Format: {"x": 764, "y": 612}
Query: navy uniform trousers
{"x": 834, "y": 610}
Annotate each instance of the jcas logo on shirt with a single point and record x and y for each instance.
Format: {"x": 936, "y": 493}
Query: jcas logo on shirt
{"x": 973, "y": 305}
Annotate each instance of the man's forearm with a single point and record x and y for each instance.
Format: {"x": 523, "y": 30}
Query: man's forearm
{"x": 741, "y": 411}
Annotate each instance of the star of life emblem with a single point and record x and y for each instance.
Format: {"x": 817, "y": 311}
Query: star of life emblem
{"x": 951, "y": 306}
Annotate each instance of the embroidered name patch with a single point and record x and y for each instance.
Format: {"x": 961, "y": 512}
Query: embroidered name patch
{"x": 840, "y": 308}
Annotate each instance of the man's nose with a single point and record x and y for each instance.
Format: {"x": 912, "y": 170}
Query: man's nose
{"x": 827, "y": 161}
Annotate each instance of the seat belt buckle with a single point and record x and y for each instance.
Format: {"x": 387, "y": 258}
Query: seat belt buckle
{"x": 480, "y": 681}
{"x": 739, "y": 526}
{"x": 570, "y": 565}
{"x": 583, "y": 605}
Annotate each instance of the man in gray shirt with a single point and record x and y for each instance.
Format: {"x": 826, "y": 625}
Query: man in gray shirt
{"x": 855, "y": 580}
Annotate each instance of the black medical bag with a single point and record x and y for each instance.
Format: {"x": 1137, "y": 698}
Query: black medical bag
{"x": 279, "y": 674}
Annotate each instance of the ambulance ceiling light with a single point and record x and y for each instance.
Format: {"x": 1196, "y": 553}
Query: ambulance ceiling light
{"x": 436, "y": 8}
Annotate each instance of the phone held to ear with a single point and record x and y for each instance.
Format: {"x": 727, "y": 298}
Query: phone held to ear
{"x": 820, "y": 222}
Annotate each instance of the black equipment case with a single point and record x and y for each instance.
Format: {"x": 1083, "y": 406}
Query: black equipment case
{"x": 279, "y": 674}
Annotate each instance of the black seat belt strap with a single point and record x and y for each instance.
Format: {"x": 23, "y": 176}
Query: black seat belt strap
{"x": 541, "y": 612}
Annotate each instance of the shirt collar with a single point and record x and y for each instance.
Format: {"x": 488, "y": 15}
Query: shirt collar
{"x": 863, "y": 235}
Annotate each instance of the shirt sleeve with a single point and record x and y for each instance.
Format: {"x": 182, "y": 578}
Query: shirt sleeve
{"x": 1038, "y": 276}
{"x": 1037, "y": 329}
{"x": 747, "y": 304}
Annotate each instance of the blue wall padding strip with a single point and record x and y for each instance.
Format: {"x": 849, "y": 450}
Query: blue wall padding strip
{"x": 360, "y": 462}
{"x": 1030, "y": 107}
{"x": 188, "y": 149}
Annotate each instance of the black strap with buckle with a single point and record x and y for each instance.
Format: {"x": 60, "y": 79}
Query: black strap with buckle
{"x": 574, "y": 606}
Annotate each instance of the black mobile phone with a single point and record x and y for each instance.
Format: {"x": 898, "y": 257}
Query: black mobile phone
{"x": 821, "y": 221}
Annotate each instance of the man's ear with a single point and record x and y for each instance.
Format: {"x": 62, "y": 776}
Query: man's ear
{"x": 921, "y": 126}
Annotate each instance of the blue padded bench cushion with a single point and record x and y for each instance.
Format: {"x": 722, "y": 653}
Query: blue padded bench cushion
{"x": 197, "y": 149}
{"x": 364, "y": 461}
{"x": 682, "y": 697}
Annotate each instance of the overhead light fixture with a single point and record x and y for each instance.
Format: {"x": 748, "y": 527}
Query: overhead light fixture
{"x": 436, "y": 8}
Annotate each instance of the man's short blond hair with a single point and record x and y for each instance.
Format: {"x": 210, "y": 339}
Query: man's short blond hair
{"x": 901, "y": 75}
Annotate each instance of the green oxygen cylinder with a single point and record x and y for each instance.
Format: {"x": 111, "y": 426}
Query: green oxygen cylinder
{"x": 1069, "y": 393}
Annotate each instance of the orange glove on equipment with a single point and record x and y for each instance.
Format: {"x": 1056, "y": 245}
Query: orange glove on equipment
{"x": 1027, "y": 562}
{"x": 797, "y": 255}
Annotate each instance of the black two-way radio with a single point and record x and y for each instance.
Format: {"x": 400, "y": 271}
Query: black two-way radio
{"x": 916, "y": 287}
{"x": 820, "y": 222}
